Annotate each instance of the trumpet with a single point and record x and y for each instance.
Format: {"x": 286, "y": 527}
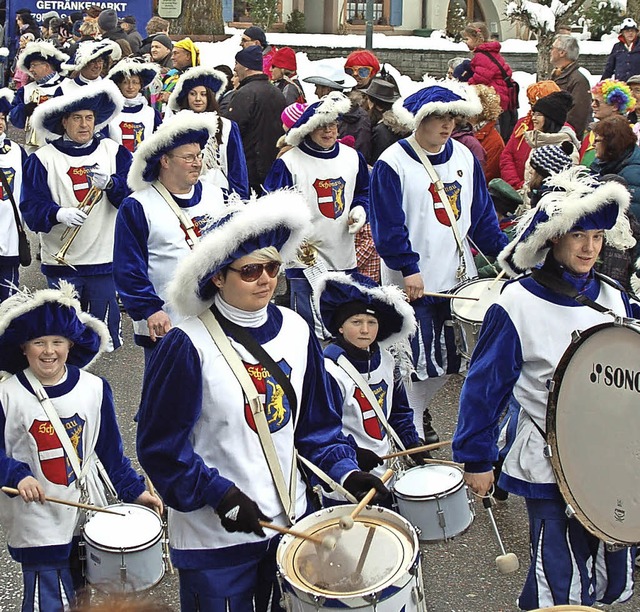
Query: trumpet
{"x": 32, "y": 138}
{"x": 69, "y": 235}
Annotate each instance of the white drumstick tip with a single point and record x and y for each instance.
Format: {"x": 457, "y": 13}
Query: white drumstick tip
{"x": 329, "y": 543}
{"x": 346, "y": 523}
{"x": 507, "y": 564}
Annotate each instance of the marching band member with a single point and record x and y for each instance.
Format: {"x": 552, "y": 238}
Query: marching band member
{"x": 365, "y": 320}
{"x": 334, "y": 179}
{"x": 150, "y": 239}
{"x": 12, "y": 159}
{"x": 207, "y": 459}
{"x": 79, "y": 166}
{"x": 137, "y": 120}
{"x": 198, "y": 89}
{"x": 90, "y": 60}
{"x": 43, "y": 62}
{"x": 45, "y": 341}
{"x": 418, "y": 186}
{"x": 522, "y": 339}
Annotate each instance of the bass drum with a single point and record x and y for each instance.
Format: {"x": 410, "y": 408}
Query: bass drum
{"x": 593, "y": 430}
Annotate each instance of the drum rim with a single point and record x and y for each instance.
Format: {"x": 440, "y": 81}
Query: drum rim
{"x": 422, "y": 497}
{"x": 99, "y": 586}
{"x": 471, "y": 281}
{"x": 118, "y": 549}
{"x": 552, "y": 441}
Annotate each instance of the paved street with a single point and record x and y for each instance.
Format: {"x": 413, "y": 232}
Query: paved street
{"x": 460, "y": 576}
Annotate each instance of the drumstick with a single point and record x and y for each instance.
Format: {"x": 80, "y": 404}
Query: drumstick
{"x": 365, "y": 549}
{"x": 325, "y": 542}
{"x": 64, "y": 502}
{"x": 443, "y": 462}
{"x": 496, "y": 279}
{"x": 450, "y": 296}
{"x": 417, "y": 449}
{"x": 346, "y": 522}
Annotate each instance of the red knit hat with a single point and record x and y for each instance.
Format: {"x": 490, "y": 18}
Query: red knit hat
{"x": 363, "y": 58}
{"x": 285, "y": 58}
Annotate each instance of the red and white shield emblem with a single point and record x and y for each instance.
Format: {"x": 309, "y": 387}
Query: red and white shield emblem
{"x": 370, "y": 421}
{"x": 330, "y": 194}
{"x": 53, "y": 461}
{"x": 132, "y": 134}
{"x": 453, "y": 193}
{"x": 79, "y": 181}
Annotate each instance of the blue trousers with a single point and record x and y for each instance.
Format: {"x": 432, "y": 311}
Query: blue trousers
{"x": 98, "y": 298}
{"x": 569, "y": 565}
{"x": 243, "y": 579}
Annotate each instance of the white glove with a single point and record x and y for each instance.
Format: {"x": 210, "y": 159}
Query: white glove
{"x": 357, "y": 218}
{"x": 71, "y": 216}
{"x": 100, "y": 179}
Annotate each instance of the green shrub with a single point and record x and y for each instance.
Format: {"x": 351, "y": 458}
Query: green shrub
{"x": 295, "y": 23}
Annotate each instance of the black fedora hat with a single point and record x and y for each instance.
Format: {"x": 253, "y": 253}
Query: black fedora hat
{"x": 382, "y": 90}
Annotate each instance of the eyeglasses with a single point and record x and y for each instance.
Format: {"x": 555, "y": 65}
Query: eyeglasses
{"x": 252, "y": 272}
{"x": 362, "y": 71}
{"x": 189, "y": 159}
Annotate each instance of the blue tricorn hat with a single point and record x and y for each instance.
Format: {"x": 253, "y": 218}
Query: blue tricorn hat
{"x": 6, "y": 98}
{"x": 127, "y": 67}
{"x": 573, "y": 200}
{"x": 48, "y": 312}
{"x": 439, "y": 97}
{"x": 337, "y": 293}
{"x": 325, "y": 111}
{"x": 202, "y": 76}
{"x": 103, "y": 98}
{"x": 90, "y": 50}
{"x": 42, "y": 51}
{"x": 184, "y": 128}
{"x": 280, "y": 219}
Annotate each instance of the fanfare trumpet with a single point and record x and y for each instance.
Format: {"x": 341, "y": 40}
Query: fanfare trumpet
{"x": 32, "y": 138}
{"x": 69, "y": 235}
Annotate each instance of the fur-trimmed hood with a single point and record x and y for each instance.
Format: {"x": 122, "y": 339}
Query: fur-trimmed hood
{"x": 193, "y": 77}
{"x": 103, "y": 98}
{"x": 396, "y": 317}
{"x": 280, "y": 219}
{"x": 320, "y": 113}
{"x": 27, "y": 315}
{"x": 575, "y": 199}
{"x": 437, "y": 98}
{"x": 41, "y": 50}
{"x": 183, "y": 128}
{"x": 390, "y": 119}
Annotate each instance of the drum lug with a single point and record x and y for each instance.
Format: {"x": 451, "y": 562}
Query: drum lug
{"x": 123, "y": 570}
{"x": 417, "y": 595}
{"x": 550, "y": 385}
{"x": 614, "y": 546}
{"x": 442, "y": 521}
{"x": 372, "y": 598}
{"x": 575, "y": 336}
{"x": 569, "y": 511}
{"x": 82, "y": 553}
{"x": 318, "y": 601}
{"x": 547, "y": 452}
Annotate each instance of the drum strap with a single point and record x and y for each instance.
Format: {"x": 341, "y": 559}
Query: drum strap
{"x": 437, "y": 181}
{"x": 361, "y": 383}
{"x": 186, "y": 223}
{"x": 212, "y": 321}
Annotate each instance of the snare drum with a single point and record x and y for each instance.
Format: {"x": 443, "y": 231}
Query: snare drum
{"x": 386, "y": 577}
{"x": 435, "y": 500}
{"x": 467, "y": 315}
{"x": 124, "y": 553}
{"x": 593, "y": 429}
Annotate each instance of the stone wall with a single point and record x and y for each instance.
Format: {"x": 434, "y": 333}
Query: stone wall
{"x": 416, "y": 62}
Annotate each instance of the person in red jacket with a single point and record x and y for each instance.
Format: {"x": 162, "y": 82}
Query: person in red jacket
{"x": 489, "y": 68}
{"x": 484, "y": 125}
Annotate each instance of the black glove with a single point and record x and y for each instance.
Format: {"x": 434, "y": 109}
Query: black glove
{"x": 29, "y": 107}
{"x": 367, "y": 459}
{"x": 238, "y": 512}
{"x": 359, "y": 484}
{"x": 418, "y": 458}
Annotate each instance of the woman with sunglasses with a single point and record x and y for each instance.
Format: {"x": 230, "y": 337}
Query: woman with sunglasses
{"x": 224, "y": 163}
{"x": 202, "y": 444}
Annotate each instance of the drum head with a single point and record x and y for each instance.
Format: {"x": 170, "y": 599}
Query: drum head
{"x": 593, "y": 428}
{"x": 137, "y": 528}
{"x": 428, "y": 481}
{"x": 487, "y": 290}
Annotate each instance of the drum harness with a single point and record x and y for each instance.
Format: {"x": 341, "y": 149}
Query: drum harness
{"x": 185, "y": 221}
{"x": 461, "y": 272}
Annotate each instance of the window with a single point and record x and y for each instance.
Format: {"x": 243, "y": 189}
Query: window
{"x": 358, "y": 10}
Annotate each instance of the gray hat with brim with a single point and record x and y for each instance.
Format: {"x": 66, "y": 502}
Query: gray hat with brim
{"x": 334, "y": 77}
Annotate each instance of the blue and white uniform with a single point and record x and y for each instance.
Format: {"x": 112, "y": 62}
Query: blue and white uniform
{"x": 149, "y": 243}
{"x": 58, "y": 175}
{"x": 136, "y": 121}
{"x": 522, "y": 339}
{"x": 12, "y": 158}
{"x": 69, "y": 85}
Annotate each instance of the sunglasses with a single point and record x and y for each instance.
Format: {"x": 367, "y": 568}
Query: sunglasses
{"x": 362, "y": 71}
{"x": 252, "y": 272}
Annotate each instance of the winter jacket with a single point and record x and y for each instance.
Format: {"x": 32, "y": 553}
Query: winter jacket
{"x": 628, "y": 167}
{"x": 135, "y": 40}
{"x": 384, "y": 134}
{"x": 485, "y": 71}
{"x": 465, "y": 135}
{"x": 571, "y": 80}
{"x": 622, "y": 61}
{"x": 493, "y": 146}
{"x": 356, "y": 123}
{"x": 291, "y": 89}
{"x": 256, "y": 108}
{"x": 515, "y": 155}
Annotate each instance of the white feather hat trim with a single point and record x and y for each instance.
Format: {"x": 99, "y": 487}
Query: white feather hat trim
{"x": 42, "y": 48}
{"x": 92, "y": 49}
{"x": 321, "y": 113}
{"x": 197, "y": 75}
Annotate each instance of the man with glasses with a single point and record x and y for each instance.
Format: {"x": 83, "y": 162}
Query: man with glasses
{"x": 566, "y": 73}
{"x": 362, "y": 66}
{"x": 78, "y": 167}
{"x": 254, "y": 36}
{"x": 89, "y": 63}
{"x": 151, "y": 234}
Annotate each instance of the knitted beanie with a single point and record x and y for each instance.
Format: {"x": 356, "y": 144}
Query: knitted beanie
{"x": 551, "y": 159}
{"x": 555, "y": 106}
{"x": 285, "y": 58}
{"x": 292, "y": 113}
{"x": 108, "y": 20}
{"x": 250, "y": 58}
